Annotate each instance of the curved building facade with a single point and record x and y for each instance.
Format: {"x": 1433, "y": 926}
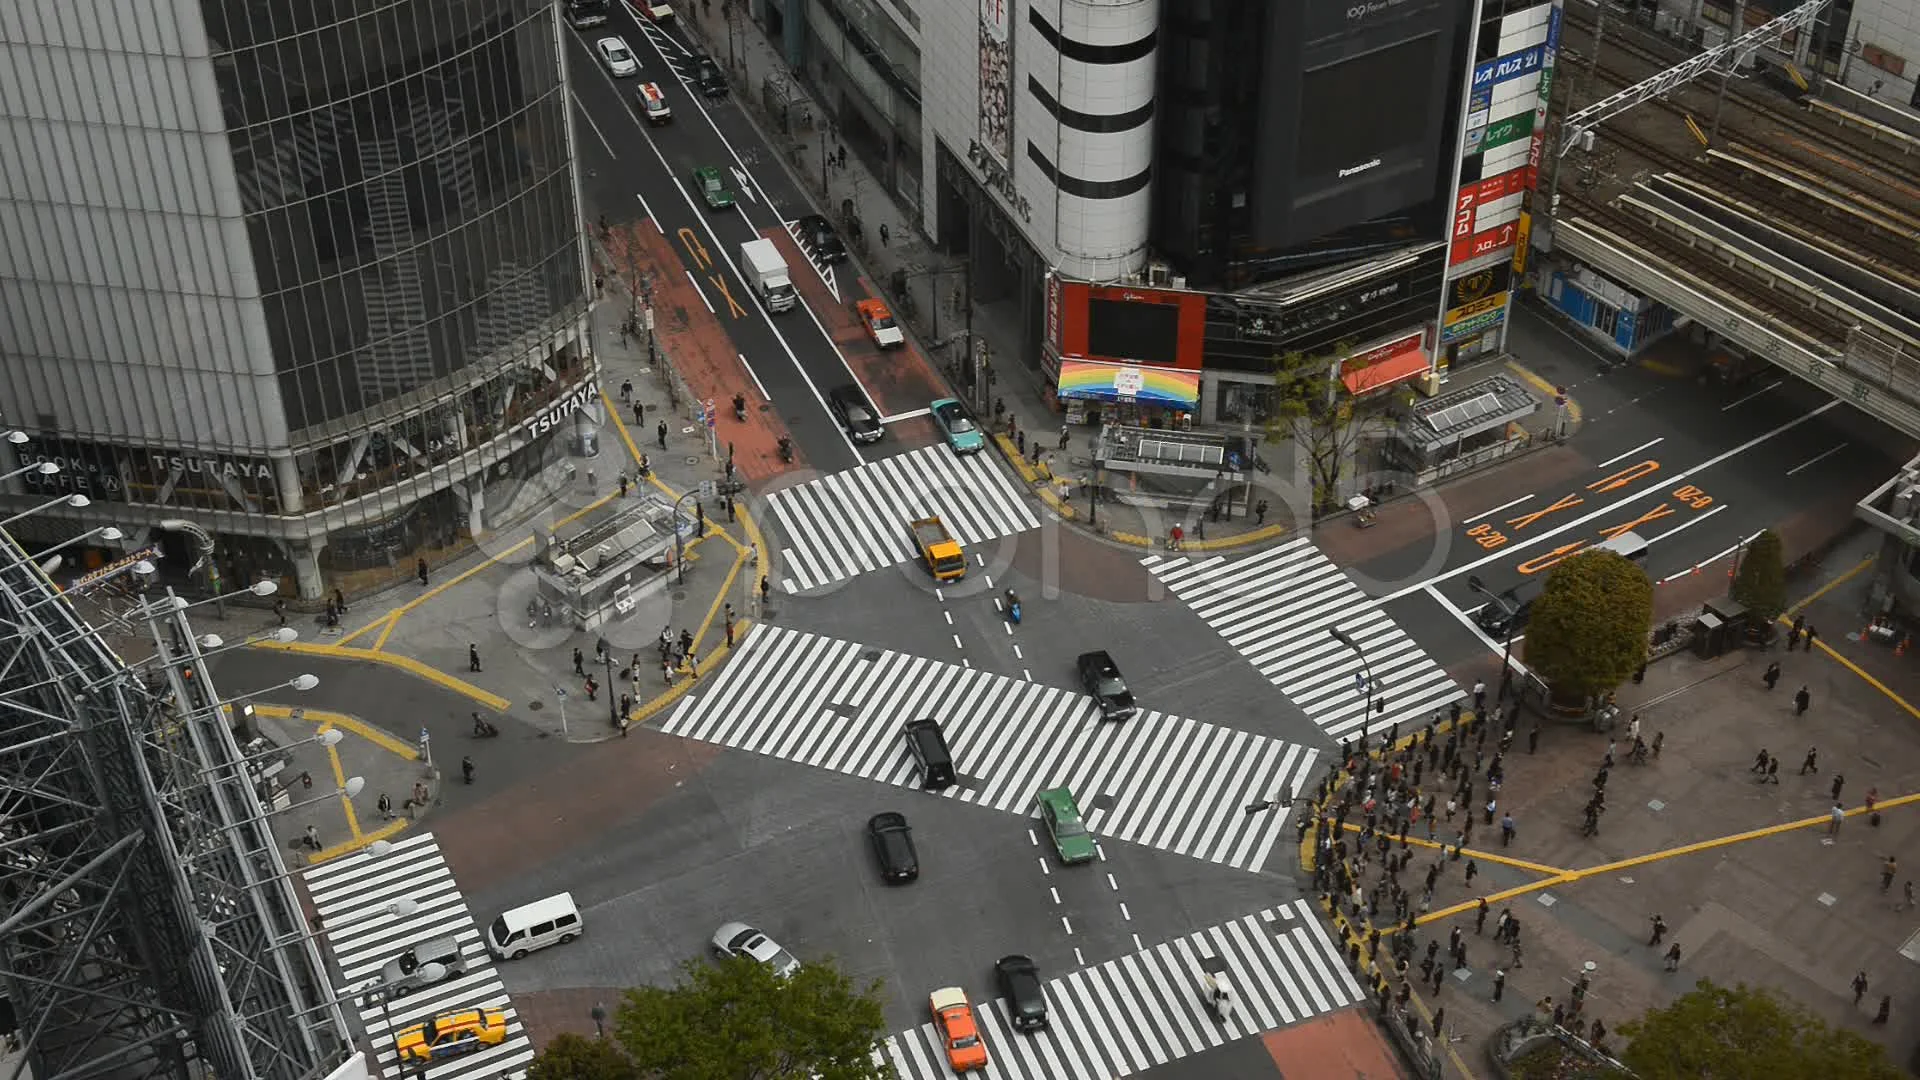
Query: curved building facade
{"x": 309, "y": 276}
{"x": 1088, "y": 82}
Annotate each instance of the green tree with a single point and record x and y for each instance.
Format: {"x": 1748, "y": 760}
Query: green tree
{"x": 1313, "y": 411}
{"x": 1760, "y": 585}
{"x": 1713, "y": 1031}
{"x": 737, "y": 1020}
{"x": 576, "y": 1057}
{"x": 1588, "y": 630}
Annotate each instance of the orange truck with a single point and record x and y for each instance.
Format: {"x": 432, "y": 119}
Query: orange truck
{"x": 944, "y": 557}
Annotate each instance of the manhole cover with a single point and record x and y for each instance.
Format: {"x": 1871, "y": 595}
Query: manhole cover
{"x": 536, "y": 706}
{"x": 679, "y": 595}
{"x": 690, "y": 460}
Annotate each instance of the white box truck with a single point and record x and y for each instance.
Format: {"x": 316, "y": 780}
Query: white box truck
{"x": 767, "y": 274}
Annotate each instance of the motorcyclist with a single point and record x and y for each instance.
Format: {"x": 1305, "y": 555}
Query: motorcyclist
{"x": 740, "y": 407}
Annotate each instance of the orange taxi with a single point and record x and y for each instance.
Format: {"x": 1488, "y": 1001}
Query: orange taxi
{"x": 878, "y": 319}
{"x": 953, "y": 1015}
{"x": 452, "y": 1034}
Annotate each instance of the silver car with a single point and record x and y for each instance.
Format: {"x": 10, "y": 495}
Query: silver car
{"x": 739, "y": 939}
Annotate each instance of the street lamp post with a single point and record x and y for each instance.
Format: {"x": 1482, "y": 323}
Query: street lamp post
{"x": 1506, "y": 655}
{"x": 1366, "y": 675}
{"x": 613, "y": 706}
{"x": 679, "y": 539}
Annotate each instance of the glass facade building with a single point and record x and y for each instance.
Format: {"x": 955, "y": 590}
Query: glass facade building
{"x": 309, "y": 275}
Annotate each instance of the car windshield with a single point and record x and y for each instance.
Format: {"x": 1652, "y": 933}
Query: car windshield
{"x": 618, "y": 56}
{"x": 711, "y": 183}
{"x": 966, "y": 1041}
{"x": 884, "y": 322}
{"x": 409, "y": 963}
{"x": 956, "y": 420}
{"x": 745, "y": 939}
{"x": 858, "y": 415}
{"x": 1067, "y": 823}
{"x": 1110, "y": 686}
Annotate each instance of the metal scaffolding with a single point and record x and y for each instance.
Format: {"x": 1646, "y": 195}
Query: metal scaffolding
{"x": 148, "y": 925}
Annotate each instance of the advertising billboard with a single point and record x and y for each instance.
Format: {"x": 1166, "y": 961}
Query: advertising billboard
{"x": 996, "y": 81}
{"x": 1131, "y": 324}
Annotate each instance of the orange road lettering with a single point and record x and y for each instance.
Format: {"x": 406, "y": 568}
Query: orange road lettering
{"x": 1623, "y": 477}
{"x": 733, "y": 305}
{"x": 1535, "y": 565}
{"x": 1567, "y": 502}
{"x": 695, "y": 250}
{"x": 1655, "y": 514}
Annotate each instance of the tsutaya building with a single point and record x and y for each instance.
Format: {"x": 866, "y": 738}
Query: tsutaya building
{"x": 329, "y": 352}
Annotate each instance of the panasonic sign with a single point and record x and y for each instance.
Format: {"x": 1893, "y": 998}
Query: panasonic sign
{"x": 1354, "y": 170}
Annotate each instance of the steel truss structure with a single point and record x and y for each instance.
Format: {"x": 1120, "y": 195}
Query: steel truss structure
{"x": 148, "y": 925}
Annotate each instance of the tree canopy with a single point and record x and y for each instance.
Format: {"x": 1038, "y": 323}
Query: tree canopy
{"x": 1760, "y": 585}
{"x": 1313, "y": 412}
{"x": 737, "y": 1020}
{"x": 576, "y": 1057}
{"x": 1715, "y": 1032}
{"x": 1588, "y": 630}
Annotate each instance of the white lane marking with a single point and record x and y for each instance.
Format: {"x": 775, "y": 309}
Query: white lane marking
{"x": 914, "y": 415}
{"x": 1711, "y": 559}
{"x": 745, "y": 188}
{"x": 762, "y": 387}
{"x": 1620, "y": 457}
{"x": 700, "y": 292}
{"x": 650, "y": 214}
{"x": 1069, "y": 926}
{"x": 1494, "y": 647}
{"x": 706, "y": 226}
{"x": 1650, "y": 490}
{"x": 1750, "y": 397}
{"x": 1497, "y": 509}
{"x": 1814, "y": 460}
{"x": 582, "y": 106}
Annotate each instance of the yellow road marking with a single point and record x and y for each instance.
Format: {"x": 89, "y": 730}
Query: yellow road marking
{"x": 339, "y": 784}
{"x": 405, "y": 663}
{"x": 1547, "y": 388}
{"x": 353, "y": 725}
{"x": 384, "y": 832}
{"x": 384, "y": 620}
{"x": 1831, "y": 585}
{"x": 1483, "y": 856}
{"x": 1857, "y": 670}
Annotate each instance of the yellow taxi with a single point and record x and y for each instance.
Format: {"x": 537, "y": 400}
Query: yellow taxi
{"x": 881, "y": 327}
{"x": 953, "y": 1017}
{"x": 452, "y": 1034}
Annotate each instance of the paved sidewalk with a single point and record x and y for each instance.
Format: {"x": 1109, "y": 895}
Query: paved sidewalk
{"x": 1743, "y": 872}
{"x": 528, "y": 674}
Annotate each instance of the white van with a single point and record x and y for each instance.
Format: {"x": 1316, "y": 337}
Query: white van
{"x": 1627, "y": 545}
{"x": 534, "y": 926}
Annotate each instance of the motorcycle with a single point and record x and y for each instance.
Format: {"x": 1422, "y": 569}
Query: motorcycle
{"x": 482, "y": 729}
{"x": 786, "y": 449}
{"x": 1013, "y": 607}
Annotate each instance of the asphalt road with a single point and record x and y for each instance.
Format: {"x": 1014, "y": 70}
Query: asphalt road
{"x": 784, "y": 848}
{"x": 633, "y": 170}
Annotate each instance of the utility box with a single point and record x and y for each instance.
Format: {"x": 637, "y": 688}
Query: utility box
{"x": 1709, "y": 636}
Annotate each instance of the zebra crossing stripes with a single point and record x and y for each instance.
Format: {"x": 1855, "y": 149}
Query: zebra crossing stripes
{"x": 353, "y": 896}
{"x": 1147, "y": 1009}
{"x": 1279, "y": 608}
{"x": 852, "y": 522}
{"x": 1157, "y": 780}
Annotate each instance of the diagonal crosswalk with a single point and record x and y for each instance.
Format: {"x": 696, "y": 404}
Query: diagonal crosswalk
{"x": 1278, "y": 609}
{"x": 1157, "y": 780}
{"x": 1140, "y": 1011}
{"x": 353, "y": 895}
{"x": 852, "y": 522}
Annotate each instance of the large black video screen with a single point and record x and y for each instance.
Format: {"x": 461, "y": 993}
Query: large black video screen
{"x": 1372, "y": 106}
{"x": 1125, "y": 330}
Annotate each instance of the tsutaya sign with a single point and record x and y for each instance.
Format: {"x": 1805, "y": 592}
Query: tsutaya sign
{"x": 560, "y": 410}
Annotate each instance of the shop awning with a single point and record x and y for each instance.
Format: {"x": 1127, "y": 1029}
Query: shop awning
{"x": 1129, "y": 383}
{"x": 1391, "y": 369}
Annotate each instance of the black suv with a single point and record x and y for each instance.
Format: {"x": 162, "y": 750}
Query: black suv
{"x": 928, "y": 745}
{"x": 1020, "y": 984}
{"x": 855, "y": 413}
{"x": 1102, "y": 679}
{"x": 893, "y": 845}
{"x": 817, "y": 236}
{"x": 707, "y": 75}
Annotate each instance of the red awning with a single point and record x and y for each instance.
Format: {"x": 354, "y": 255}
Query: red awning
{"x": 1385, "y": 372}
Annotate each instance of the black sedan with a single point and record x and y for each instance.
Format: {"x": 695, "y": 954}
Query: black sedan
{"x": 1020, "y": 985}
{"x": 707, "y": 75}
{"x": 817, "y": 236}
{"x": 856, "y": 414}
{"x": 893, "y": 845}
{"x": 1101, "y": 678}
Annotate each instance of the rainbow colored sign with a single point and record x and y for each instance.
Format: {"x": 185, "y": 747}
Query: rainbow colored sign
{"x": 1129, "y": 383}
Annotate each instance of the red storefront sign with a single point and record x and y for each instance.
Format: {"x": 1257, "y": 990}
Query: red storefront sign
{"x": 1498, "y": 238}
